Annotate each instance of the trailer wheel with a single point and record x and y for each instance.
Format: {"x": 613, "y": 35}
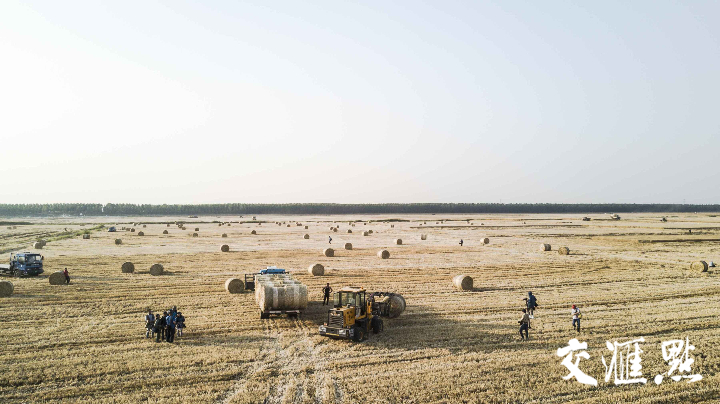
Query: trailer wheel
{"x": 16, "y": 273}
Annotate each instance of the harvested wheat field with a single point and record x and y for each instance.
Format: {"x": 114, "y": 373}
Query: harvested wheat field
{"x": 85, "y": 342}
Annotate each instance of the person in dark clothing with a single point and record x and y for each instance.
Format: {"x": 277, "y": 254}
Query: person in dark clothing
{"x": 163, "y": 323}
{"x": 329, "y": 240}
{"x": 461, "y": 242}
{"x": 170, "y": 330}
{"x": 67, "y": 276}
{"x": 180, "y": 324}
{"x": 149, "y": 324}
{"x": 524, "y": 325}
{"x": 531, "y": 303}
{"x": 327, "y": 290}
{"x": 158, "y": 327}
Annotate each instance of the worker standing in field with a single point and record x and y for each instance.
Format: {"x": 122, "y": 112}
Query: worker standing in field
{"x": 531, "y": 303}
{"x": 461, "y": 242}
{"x": 329, "y": 240}
{"x": 180, "y": 324}
{"x": 163, "y": 325}
{"x": 149, "y": 324}
{"x": 326, "y": 294}
{"x": 170, "y": 328}
{"x": 158, "y": 327}
{"x": 576, "y": 315}
{"x": 524, "y": 325}
{"x": 67, "y": 276}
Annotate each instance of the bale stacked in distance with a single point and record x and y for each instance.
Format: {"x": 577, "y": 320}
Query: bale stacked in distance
{"x": 423, "y": 237}
{"x": 195, "y": 235}
{"x": 253, "y": 232}
{"x": 224, "y": 235}
{"x": 316, "y": 270}
{"x": 140, "y": 233}
{"x": 486, "y": 240}
{"x": 699, "y": 266}
{"x": 166, "y": 232}
{"x": 183, "y": 228}
{"x": 225, "y": 248}
{"x": 86, "y": 236}
{"x": 366, "y": 233}
{"x": 157, "y": 269}
{"x": 197, "y": 229}
{"x": 132, "y": 230}
{"x": 348, "y": 246}
{"x": 144, "y": 225}
{"x": 234, "y": 285}
{"x": 384, "y": 254}
{"x": 545, "y": 247}
{"x": 128, "y": 268}
{"x": 463, "y": 282}
{"x": 38, "y": 246}
{"x": 288, "y": 225}
{"x": 563, "y": 251}
{"x": 398, "y": 241}
{"x": 6, "y": 288}
{"x": 57, "y": 278}
{"x": 370, "y": 231}
{"x": 349, "y": 231}
{"x": 329, "y": 252}
{"x": 306, "y": 236}
{"x": 306, "y": 227}
{"x": 118, "y": 241}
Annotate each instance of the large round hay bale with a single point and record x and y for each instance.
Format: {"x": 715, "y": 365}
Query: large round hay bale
{"x": 348, "y": 246}
{"x": 253, "y": 232}
{"x": 157, "y": 269}
{"x": 6, "y": 288}
{"x": 486, "y": 240}
{"x": 384, "y": 254}
{"x": 118, "y": 241}
{"x": 132, "y": 230}
{"x": 234, "y": 285}
{"x": 398, "y": 241}
{"x": 86, "y": 236}
{"x": 57, "y": 278}
{"x": 329, "y": 252}
{"x": 306, "y": 227}
{"x": 306, "y": 236}
{"x": 288, "y": 225}
{"x": 195, "y": 235}
{"x": 224, "y": 235}
{"x": 563, "y": 251}
{"x": 370, "y": 231}
{"x": 423, "y": 237}
{"x": 166, "y": 232}
{"x": 397, "y": 306}
{"x": 140, "y": 233}
{"x": 144, "y": 225}
{"x": 699, "y": 266}
{"x": 334, "y": 229}
{"x": 366, "y": 233}
{"x": 183, "y": 228}
{"x": 316, "y": 270}
{"x": 349, "y": 231}
{"x": 463, "y": 282}
{"x": 197, "y": 229}
{"x": 38, "y": 246}
{"x": 225, "y": 248}
{"x": 545, "y": 247}
{"x": 128, "y": 268}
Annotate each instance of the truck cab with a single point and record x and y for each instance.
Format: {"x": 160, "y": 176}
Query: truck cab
{"x": 26, "y": 264}
{"x": 351, "y": 316}
{"x": 250, "y": 278}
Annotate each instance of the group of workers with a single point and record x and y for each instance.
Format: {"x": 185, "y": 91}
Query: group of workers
{"x": 529, "y": 313}
{"x": 164, "y": 326}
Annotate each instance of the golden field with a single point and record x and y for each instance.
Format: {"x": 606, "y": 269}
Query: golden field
{"x": 85, "y": 342}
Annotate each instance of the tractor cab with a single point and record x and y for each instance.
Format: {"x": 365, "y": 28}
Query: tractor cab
{"x": 26, "y": 264}
{"x": 351, "y": 316}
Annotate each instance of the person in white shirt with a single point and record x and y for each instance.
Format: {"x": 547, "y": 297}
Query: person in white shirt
{"x": 576, "y": 317}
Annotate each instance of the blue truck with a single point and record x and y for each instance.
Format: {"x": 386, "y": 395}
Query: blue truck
{"x": 250, "y": 278}
{"x": 23, "y": 264}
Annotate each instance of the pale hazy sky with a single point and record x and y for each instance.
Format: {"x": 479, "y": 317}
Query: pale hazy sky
{"x": 359, "y": 102}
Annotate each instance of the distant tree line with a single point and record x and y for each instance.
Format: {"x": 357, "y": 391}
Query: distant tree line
{"x": 111, "y": 209}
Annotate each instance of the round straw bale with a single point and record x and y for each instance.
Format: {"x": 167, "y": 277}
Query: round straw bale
{"x": 225, "y": 248}
{"x": 254, "y": 217}
{"x": 166, "y": 232}
{"x": 349, "y": 231}
{"x": 6, "y": 288}
{"x": 329, "y": 252}
{"x": 86, "y": 236}
{"x": 316, "y": 270}
{"x": 38, "y": 246}
{"x": 306, "y": 236}
{"x": 366, "y": 233}
{"x": 144, "y": 225}
{"x": 332, "y": 228}
{"x": 224, "y": 235}
{"x": 384, "y": 254}
{"x": 288, "y": 225}
{"x": 306, "y": 227}
{"x": 545, "y": 247}
{"x": 370, "y": 231}
{"x": 253, "y": 232}
{"x": 563, "y": 251}
{"x": 398, "y": 241}
{"x": 197, "y": 229}
{"x": 118, "y": 241}
{"x": 463, "y": 282}
{"x": 157, "y": 269}
{"x": 397, "y": 306}
{"x": 167, "y": 225}
{"x": 348, "y": 246}
{"x": 195, "y": 235}
{"x": 57, "y": 278}
{"x": 234, "y": 285}
{"x": 128, "y": 268}
{"x": 486, "y": 240}
{"x": 140, "y": 233}
{"x": 423, "y": 237}
{"x": 183, "y": 228}
{"x": 699, "y": 266}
